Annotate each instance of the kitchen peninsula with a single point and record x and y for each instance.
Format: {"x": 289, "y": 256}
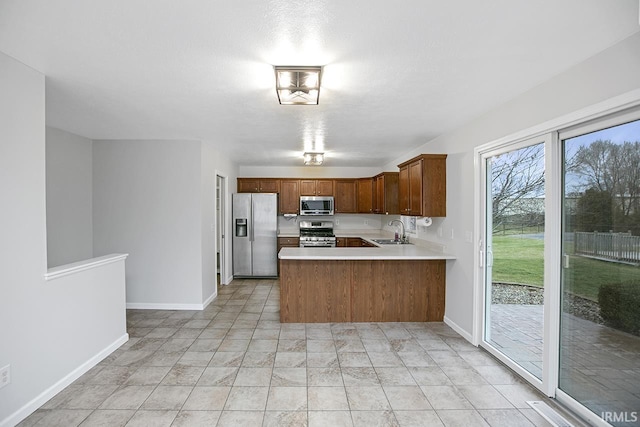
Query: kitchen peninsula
{"x": 385, "y": 283}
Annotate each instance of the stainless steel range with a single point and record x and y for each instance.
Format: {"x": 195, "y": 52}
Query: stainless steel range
{"x": 318, "y": 234}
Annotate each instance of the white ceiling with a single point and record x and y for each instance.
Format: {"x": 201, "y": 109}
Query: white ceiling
{"x": 396, "y": 74}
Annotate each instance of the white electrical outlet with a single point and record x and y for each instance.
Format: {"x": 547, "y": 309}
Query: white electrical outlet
{"x": 366, "y": 222}
{"x": 337, "y": 222}
{"x": 5, "y": 376}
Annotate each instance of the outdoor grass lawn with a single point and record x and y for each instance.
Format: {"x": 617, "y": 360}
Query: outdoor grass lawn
{"x": 520, "y": 260}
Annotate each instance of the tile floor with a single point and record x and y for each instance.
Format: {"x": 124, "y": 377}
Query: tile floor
{"x": 235, "y": 364}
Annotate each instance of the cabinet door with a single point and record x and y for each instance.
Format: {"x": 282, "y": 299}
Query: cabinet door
{"x": 324, "y": 187}
{"x": 380, "y": 199}
{"x": 354, "y": 242}
{"x": 341, "y": 242}
{"x": 390, "y": 193}
{"x": 269, "y": 185}
{"x": 415, "y": 188}
{"x": 255, "y": 185}
{"x": 248, "y": 185}
{"x": 423, "y": 186}
{"x": 434, "y": 188}
{"x": 403, "y": 190}
{"x": 365, "y": 195}
{"x": 307, "y": 187}
{"x": 289, "y": 196}
{"x": 345, "y": 196}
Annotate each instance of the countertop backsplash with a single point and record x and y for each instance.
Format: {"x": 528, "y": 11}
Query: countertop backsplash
{"x": 366, "y": 222}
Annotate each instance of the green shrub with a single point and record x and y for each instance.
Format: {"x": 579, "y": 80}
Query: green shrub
{"x": 620, "y": 306}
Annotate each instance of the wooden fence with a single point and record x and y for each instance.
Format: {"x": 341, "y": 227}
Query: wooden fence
{"x": 614, "y": 246}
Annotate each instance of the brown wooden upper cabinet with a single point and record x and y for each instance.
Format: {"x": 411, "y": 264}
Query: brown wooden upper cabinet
{"x": 385, "y": 197}
{"x": 345, "y": 196}
{"x": 365, "y": 195}
{"x": 316, "y": 187}
{"x": 422, "y": 186}
{"x": 289, "y": 196}
{"x": 258, "y": 185}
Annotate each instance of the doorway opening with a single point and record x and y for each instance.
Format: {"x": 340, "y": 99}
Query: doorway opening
{"x": 220, "y": 213}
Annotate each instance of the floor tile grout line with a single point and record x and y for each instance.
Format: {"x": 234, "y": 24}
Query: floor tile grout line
{"x": 231, "y": 322}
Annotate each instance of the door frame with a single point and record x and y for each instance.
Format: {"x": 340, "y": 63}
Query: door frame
{"x": 224, "y": 220}
{"x": 486, "y": 257}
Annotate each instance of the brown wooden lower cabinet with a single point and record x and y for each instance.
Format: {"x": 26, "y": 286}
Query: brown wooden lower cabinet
{"x": 353, "y": 242}
{"x": 319, "y": 291}
{"x": 287, "y": 242}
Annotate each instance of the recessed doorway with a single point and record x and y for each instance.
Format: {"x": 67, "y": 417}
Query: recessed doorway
{"x": 221, "y": 196}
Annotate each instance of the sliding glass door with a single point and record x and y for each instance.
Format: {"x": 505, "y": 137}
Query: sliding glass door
{"x": 514, "y": 235}
{"x": 560, "y": 256}
{"x": 600, "y": 312}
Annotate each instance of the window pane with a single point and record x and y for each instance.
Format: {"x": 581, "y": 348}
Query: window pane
{"x": 600, "y": 316}
{"x": 515, "y": 244}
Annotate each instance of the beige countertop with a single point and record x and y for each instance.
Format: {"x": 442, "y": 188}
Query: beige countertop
{"x": 418, "y": 251}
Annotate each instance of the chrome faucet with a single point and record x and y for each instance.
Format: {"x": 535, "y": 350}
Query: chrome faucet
{"x": 403, "y": 236}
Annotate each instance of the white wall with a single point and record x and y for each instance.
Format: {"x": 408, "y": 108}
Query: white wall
{"x": 612, "y": 72}
{"x": 147, "y": 203}
{"x": 214, "y": 163}
{"x": 69, "y": 201}
{"x": 50, "y": 329}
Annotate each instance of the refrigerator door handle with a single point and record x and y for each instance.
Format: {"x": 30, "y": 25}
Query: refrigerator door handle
{"x": 251, "y": 239}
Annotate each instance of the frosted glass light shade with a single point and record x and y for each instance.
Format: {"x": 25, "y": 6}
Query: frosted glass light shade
{"x": 298, "y": 85}
{"x": 313, "y": 159}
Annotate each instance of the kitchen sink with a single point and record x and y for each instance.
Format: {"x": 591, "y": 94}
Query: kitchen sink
{"x": 390, "y": 242}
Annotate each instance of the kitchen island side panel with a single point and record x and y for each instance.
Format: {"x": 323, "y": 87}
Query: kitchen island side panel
{"x": 315, "y": 292}
{"x": 320, "y": 291}
{"x": 398, "y": 291}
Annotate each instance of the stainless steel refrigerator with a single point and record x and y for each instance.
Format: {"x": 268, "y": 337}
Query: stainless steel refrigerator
{"x": 255, "y": 240}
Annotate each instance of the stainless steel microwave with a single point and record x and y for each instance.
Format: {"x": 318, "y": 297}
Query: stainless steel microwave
{"x": 316, "y": 205}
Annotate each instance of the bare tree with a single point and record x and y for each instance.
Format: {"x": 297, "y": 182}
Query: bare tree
{"x": 517, "y": 183}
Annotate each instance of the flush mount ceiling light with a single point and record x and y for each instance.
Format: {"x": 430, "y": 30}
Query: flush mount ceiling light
{"x": 298, "y": 85}
{"x": 313, "y": 159}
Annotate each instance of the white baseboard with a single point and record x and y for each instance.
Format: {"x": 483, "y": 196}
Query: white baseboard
{"x": 453, "y": 325}
{"x": 210, "y": 299}
{"x": 43, "y": 397}
{"x": 161, "y": 306}
{"x": 164, "y": 306}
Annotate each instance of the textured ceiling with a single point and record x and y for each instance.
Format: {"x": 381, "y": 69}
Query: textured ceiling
{"x": 396, "y": 74}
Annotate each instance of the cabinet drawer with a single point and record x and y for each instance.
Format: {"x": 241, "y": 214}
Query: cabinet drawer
{"x": 288, "y": 241}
